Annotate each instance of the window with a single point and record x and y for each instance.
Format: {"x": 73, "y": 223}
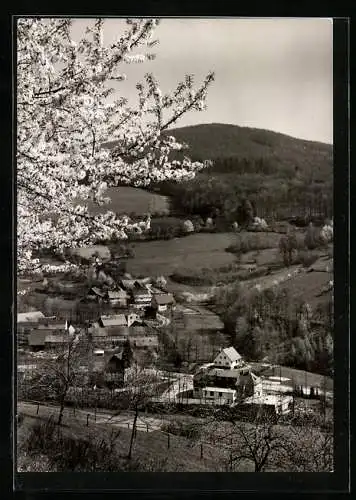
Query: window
{"x": 211, "y": 393}
{"x": 220, "y": 394}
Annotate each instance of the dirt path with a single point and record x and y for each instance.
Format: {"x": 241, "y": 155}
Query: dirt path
{"x": 124, "y": 419}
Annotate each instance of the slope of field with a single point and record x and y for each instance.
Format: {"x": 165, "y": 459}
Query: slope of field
{"x": 216, "y": 140}
{"x": 181, "y": 455}
{"x": 127, "y": 200}
{"x": 196, "y": 251}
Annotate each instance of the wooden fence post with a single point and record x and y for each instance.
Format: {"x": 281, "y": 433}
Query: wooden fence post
{"x": 201, "y": 450}
{"x": 88, "y": 419}
{"x": 146, "y": 427}
{"x": 38, "y": 408}
{"x": 168, "y": 441}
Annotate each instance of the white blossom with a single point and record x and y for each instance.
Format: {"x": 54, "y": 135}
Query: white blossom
{"x": 64, "y": 118}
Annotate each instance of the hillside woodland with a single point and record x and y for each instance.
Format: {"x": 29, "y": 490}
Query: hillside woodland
{"x": 281, "y": 176}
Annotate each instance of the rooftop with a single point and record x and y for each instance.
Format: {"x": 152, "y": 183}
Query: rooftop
{"x": 232, "y": 354}
{"x": 115, "y": 320}
{"x": 220, "y": 372}
{"x": 117, "y": 294}
{"x": 97, "y": 291}
{"x": 29, "y": 316}
{"x": 219, "y": 389}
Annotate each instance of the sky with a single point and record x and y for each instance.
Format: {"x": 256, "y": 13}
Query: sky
{"x": 270, "y": 73}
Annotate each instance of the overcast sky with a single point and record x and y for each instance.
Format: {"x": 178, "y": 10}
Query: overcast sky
{"x": 274, "y": 74}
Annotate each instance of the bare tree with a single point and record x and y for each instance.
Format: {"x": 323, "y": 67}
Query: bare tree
{"x": 55, "y": 377}
{"x": 261, "y": 443}
{"x": 309, "y": 449}
{"x": 141, "y": 385}
{"x": 287, "y": 245}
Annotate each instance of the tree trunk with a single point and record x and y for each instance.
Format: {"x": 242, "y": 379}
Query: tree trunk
{"x": 133, "y": 432}
{"x": 61, "y": 410}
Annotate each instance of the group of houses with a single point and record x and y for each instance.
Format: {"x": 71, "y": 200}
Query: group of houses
{"x": 136, "y": 294}
{"x": 230, "y": 380}
{"x": 130, "y": 303}
{"x": 39, "y": 332}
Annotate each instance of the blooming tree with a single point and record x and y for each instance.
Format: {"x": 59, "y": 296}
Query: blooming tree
{"x": 64, "y": 116}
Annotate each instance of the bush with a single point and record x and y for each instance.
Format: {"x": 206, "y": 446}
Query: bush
{"x": 306, "y": 258}
{"x": 57, "y": 452}
{"x": 189, "y": 431}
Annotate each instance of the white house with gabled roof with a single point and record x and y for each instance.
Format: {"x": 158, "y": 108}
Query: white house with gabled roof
{"x": 228, "y": 358}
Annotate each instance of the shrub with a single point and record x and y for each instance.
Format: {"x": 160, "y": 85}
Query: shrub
{"x": 306, "y": 258}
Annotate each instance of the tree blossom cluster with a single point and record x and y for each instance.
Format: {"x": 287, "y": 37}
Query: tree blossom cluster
{"x": 64, "y": 117}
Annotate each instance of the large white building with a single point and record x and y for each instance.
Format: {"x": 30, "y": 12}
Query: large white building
{"x": 229, "y": 358}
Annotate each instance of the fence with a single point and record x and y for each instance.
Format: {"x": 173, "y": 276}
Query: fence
{"x": 203, "y": 448}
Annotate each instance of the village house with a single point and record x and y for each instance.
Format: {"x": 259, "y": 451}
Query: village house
{"x": 44, "y": 339}
{"x": 145, "y": 341}
{"x": 56, "y": 341}
{"x": 114, "y": 325}
{"x": 162, "y": 302}
{"x": 29, "y": 317}
{"x": 150, "y": 313}
{"x": 280, "y": 405}
{"x": 29, "y": 320}
{"x": 228, "y": 358}
{"x": 118, "y": 297}
{"x": 114, "y": 374}
{"x": 108, "y": 366}
{"x": 96, "y": 294}
{"x": 242, "y": 381}
{"x": 219, "y": 395}
{"x": 141, "y": 295}
{"x": 249, "y": 385}
{"x": 128, "y": 283}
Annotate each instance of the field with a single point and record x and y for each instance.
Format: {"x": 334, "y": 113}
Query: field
{"x": 181, "y": 455}
{"x": 127, "y": 200}
{"x": 196, "y": 251}
{"x": 308, "y": 286}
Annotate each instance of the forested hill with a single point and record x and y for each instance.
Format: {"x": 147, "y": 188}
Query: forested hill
{"x": 221, "y": 142}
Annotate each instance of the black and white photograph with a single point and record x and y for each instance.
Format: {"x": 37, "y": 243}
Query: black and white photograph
{"x": 175, "y": 277}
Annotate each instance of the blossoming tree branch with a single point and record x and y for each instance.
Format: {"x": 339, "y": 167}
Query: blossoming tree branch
{"x": 63, "y": 118}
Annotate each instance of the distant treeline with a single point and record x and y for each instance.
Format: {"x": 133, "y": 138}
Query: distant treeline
{"x": 222, "y": 189}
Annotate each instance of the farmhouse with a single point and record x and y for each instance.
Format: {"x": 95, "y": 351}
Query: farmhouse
{"x": 161, "y": 302}
{"x": 228, "y": 358}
